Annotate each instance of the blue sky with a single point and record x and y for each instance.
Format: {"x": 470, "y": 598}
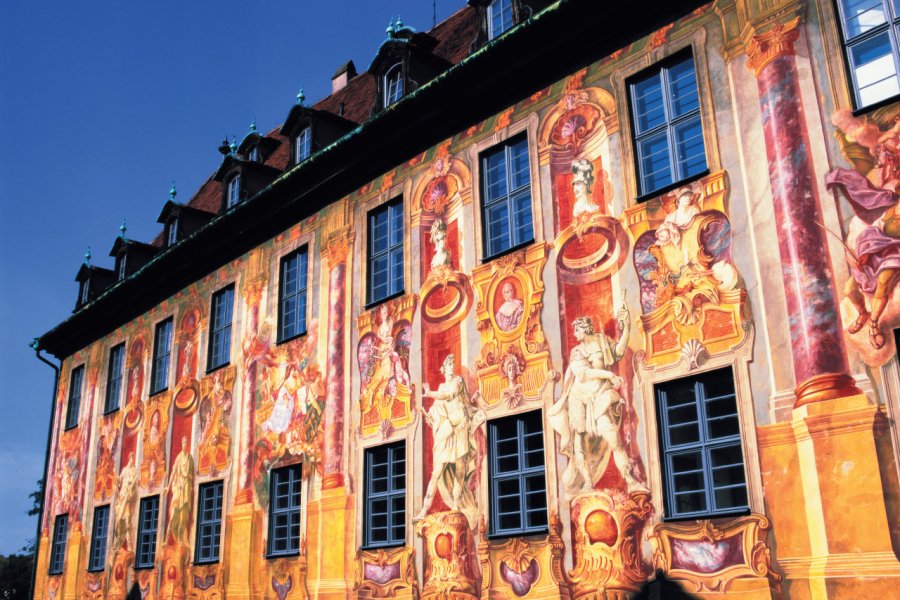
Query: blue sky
{"x": 102, "y": 105}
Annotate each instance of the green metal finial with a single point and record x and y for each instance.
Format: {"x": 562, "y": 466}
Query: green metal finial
{"x": 122, "y": 229}
{"x": 87, "y": 256}
{"x": 390, "y": 28}
{"x": 233, "y": 145}
{"x": 172, "y": 192}
{"x": 35, "y": 344}
{"x": 253, "y": 126}
{"x": 399, "y": 24}
{"x": 301, "y": 97}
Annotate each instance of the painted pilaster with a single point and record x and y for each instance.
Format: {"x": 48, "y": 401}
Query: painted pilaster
{"x": 818, "y": 351}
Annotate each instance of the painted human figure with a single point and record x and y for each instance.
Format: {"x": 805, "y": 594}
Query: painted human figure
{"x": 154, "y": 452}
{"x": 678, "y": 220}
{"x": 582, "y": 185}
{"x": 587, "y": 414}
{"x": 509, "y": 315}
{"x": 441, "y": 258}
{"x": 181, "y": 489}
{"x": 512, "y": 368}
{"x": 453, "y": 421}
{"x": 125, "y": 499}
{"x": 215, "y": 439}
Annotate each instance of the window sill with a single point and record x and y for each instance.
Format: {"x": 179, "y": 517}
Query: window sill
{"x": 203, "y": 563}
{"x": 110, "y": 412}
{"x": 292, "y": 338}
{"x": 54, "y": 573}
{"x": 372, "y": 547}
{"x": 375, "y": 303}
{"x": 144, "y": 567}
{"x": 509, "y": 250}
{"x": 873, "y": 107}
{"x": 707, "y": 517}
{"x": 271, "y": 556}
{"x": 508, "y": 535}
{"x": 100, "y": 570}
{"x": 70, "y": 427}
{"x": 158, "y": 392}
{"x": 217, "y": 367}
{"x": 672, "y": 186}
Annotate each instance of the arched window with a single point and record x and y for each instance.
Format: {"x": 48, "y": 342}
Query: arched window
{"x": 234, "y": 190}
{"x": 500, "y": 17}
{"x": 393, "y": 84}
{"x": 253, "y": 154}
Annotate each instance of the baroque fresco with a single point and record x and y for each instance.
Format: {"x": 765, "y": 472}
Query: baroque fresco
{"x": 611, "y": 298}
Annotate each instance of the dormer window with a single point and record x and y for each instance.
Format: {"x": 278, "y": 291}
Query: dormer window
{"x": 234, "y": 190}
{"x": 500, "y": 17}
{"x": 302, "y": 145}
{"x": 393, "y": 84}
{"x": 253, "y": 154}
{"x": 172, "y": 231}
{"x": 120, "y": 269}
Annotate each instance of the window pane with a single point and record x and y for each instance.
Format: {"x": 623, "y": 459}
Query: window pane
{"x": 731, "y": 498}
{"x": 874, "y": 69}
{"x": 495, "y": 176}
{"x": 690, "y": 503}
{"x": 648, "y": 104}
{"x": 519, "y": 164}
{"x": 683, "y": 88}
{"x": 862, "y": 15}
{"x": 689, "y": 148}
{"x": 655, "y": 161}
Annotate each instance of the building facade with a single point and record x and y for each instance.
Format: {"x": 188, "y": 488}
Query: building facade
{"x": 550, "y": 301}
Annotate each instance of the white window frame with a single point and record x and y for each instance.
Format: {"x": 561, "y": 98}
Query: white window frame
{"x": 302, "y": 145}
{"x": 393, "y": 84}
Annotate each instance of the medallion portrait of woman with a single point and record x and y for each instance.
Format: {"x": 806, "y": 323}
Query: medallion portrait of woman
{"x": 509, "y": 314}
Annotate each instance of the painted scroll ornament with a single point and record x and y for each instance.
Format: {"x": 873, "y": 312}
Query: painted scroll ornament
{"x": 690, "y": 287}
{"x": 386, "y": 392}
{"x": 528, "y": 567}
{"x": 449, "y": 557}
{"x": 386, "y": 574}
{"x": 607, "y": 530}
{"x": 712, "y": 558}
{"x": 206, "y": 582}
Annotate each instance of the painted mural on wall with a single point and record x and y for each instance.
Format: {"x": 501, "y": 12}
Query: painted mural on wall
{"x": 871, "y": 241}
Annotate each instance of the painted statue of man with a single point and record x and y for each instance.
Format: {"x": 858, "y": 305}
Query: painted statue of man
{"x": 453, "y": 420}
{"x": 181, "y": 488}
{"x": 588, "y": 414}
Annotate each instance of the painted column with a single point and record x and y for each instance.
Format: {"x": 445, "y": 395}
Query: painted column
{"x": 819, "y": 355}
{"x": 338, "y": 248}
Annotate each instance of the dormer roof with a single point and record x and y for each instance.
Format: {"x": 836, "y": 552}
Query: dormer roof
{"x": 132, "y": 246}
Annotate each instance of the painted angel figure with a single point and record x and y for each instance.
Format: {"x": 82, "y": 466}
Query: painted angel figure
{"x": 588, "y": 413}
{"x": 874, "y": 233}
{"x": 453, "y": 420}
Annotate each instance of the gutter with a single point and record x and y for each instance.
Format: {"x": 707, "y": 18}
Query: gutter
{"x": 37, "y": 538}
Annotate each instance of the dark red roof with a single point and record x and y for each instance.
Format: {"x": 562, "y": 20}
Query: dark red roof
{"x": 455, "y": 34}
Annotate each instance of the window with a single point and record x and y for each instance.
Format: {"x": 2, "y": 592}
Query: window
{"x": 668, "y": 135}
{"x": 58, "y": 549}
{"x": 220, "y": 334}
{"x": 162, "y": 348}
{"x": 172, "y": 231}
{"x": 506, "y": 187}
{"x": 393, "y": 84}
{"x": 85, "y": 291}
{"x": 74, "y": 404}
{"x": 870, "y": 33}
{"x": 97, "y": 556}
{"x": 253, "y": 154}
{"x": 500, "y": 17}
{"x": 146, "y": 536}
{"x": 121, "y": 269}
{"x": 385, "y": 496}
{"x": 292, "y": 295}
{"x": 234, "y": 190}
{"x": 209, "y": 522}
{"x": 518, "y": 488}
{"x": 302, "y": 145}
{"x": 386, "y": 251}
{"x": 114, "y": 378}
{"x": 700, "y": 446}
{"x": 284, "y": 511}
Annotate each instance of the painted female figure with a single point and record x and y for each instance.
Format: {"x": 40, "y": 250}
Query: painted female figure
{"x": 509, "y": 315}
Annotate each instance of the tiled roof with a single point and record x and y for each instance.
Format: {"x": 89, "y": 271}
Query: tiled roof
{"x": 354, "y": 102}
